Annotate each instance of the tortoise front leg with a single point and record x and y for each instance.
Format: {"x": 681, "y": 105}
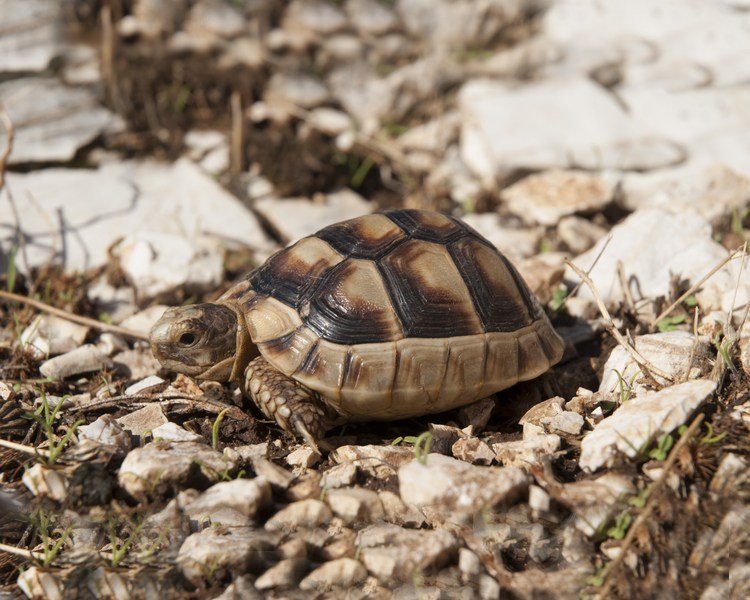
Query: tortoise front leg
{"x": 294, "y": 407}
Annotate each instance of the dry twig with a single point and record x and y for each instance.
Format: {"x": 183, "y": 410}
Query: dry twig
{"x": 694, "y": 287}
{"x": 25, "y": 449}
{"x": 93, "y": 323}
{"x": 609, "y": 324}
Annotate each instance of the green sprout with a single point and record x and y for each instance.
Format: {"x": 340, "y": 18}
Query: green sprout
{"x": 215, "y": 428}
{"x": 46, "y": 418}
{"x": 620, "y": 528}
{"x": 663, "y": 446}
{"x": 670, "y": 323}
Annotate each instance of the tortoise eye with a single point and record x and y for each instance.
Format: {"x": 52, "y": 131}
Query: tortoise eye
{"x": 188, "y": 339}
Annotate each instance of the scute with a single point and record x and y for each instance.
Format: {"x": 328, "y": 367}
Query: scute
{"x": 352, "y": 306}
{"x": 499, "y": 294}
{"x": 292, "y": 274}
{"x": 369, "y": 237}
{"x": 429, "y": 293}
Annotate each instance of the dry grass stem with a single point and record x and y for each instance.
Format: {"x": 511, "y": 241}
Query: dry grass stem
{"x": 609, "y": 324}
{"x": 10, "y": 134}
{"x": 93, "y": 323}
{"x": 625, "y": 287}
{"x": 237, "y": 159}
{"x": 648, "y": 509}
{"x": 25, "y": 449}
{"x": 21, "y": 552}
{"x": 694, "y": 287}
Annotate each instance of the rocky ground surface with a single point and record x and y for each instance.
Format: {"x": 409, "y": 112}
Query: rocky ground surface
{"x": 156, "y": 151}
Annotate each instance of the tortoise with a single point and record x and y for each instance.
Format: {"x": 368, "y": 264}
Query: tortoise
{"x": 391, "y": 315}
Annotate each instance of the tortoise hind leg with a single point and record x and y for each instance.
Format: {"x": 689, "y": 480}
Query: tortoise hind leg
{"x": 294, "y": 407}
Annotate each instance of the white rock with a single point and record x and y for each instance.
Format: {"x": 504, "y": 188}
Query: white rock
{"x": 215, "y": 17}
{"x": 448, "y": 483}
{"x": 83, "y": 359}
{"x": 394, "y": 554}
{"x": 673, "y": 352}
{"x": 38, "y": 583}
{"x": 117, "y": 303}
{"x": 339, "y": 476}
{"x": 144, "y": 419}
{"x": 43, "y": 481}
{"x": 48, "y": 335}
{"x": 145, "y": 385}
{"x": 371, "y": 17}
{"x": 539, "y": 500}
{"x": 641, "y": 420}
{"x": 304, "y": 457}
{"x": 252, "y": 452}
{"x": 546, "y": 197}
{"x": 513, "y": 242}
{"x": 708, "y": 124}
{"x": 330, "y": 121}
{"x": 158, "y": 263}
{"x": 653, "y": 245}
{"x": 473, "y": 450}
{"x": 506, "y": 127}
{"x": 566, "y": 422}
{"x": 400, "y": 514}
{"x": 342, "y": 572}
{"x": 160, "y": 465}
{"x": 276, "y": 475}
{"x": 712, "y": 190}
{"x": 32, "y": 35}
{"x": 172, "y": 432}
{"x": 579, "y": 234}
{"x": 106, "y": 430}
{"x": 141, "y": 197}
{"x": 231, "y": 503}
{"x": 595, "y": 500}
{"x": 243, "y": 53}
{"x": 294, "y": 218}
{"x": 303, "y": 514}
{"x": 379, "y": 461}
{"x": 144, "y": 320}
{"x": 527, "y": 452}
{"x": 52, "y": 121}
{"x": 355, "y": 504}
{"x": 434, "y": 136}
{"x": 295, "y": 89}
{"x": 285, "y": 573}
{"x": 480, "y": 20}
{"x": 698, "y": 43}
{"x": 542, "y": 412}
{"x": 313, "y": 15}
{"x": 217, "y": 549}
{"x": 200, "y": 142}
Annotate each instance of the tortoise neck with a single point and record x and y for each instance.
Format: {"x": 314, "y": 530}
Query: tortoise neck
{"x": 246, "y": 350}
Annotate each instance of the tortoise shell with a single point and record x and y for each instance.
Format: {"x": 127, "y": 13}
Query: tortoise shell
{"x": 396, "y": 314}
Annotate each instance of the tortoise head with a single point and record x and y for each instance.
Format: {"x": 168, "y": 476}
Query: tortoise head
{"x": 207, "y": 341}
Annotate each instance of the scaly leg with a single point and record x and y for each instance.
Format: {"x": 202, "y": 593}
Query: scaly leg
{"x": 294, "y": 407}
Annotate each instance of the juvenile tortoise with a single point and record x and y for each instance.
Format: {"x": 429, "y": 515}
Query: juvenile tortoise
{"x": 387, "y": 316}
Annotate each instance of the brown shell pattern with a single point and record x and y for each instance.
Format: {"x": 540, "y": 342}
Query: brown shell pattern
{"x": 401, "y": 313}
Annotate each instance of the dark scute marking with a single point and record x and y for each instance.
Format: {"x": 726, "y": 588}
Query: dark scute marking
{"x": 427, "y": 225}
{"x": 309, "y": 366}
{"x": 287, "y": 278}
{"x": 351, "y": 306}
{"x": 500, "y": 296}
{"x": 370, "y": 236}
{"x": 428, "y": 292}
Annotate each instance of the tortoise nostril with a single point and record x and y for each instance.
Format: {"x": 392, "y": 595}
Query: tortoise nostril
{"x": 188, "y": 339}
